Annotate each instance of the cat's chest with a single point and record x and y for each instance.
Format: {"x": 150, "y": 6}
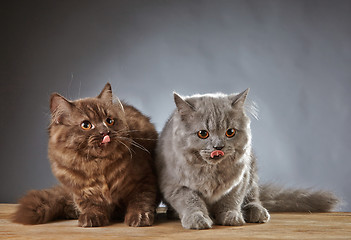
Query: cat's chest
{"x": 109, "y": 173}
{"x": 214, "y": 182}
{"x": 112, "y": 177}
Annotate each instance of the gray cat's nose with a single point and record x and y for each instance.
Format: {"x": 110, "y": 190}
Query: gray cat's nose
{"x": 218, "y": 147}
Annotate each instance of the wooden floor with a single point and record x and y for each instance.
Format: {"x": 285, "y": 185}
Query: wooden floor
{"x": 281, "y": 226}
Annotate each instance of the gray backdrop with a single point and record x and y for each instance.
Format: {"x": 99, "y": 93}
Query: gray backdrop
{"x": 294, "y": 55}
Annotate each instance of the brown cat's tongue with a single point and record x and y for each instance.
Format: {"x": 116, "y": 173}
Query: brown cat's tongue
{"x": 217, "y": 153}
{"x": 106, "y": 139}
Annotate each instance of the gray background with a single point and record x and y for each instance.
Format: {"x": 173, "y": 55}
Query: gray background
{"x": 294, "y": 55}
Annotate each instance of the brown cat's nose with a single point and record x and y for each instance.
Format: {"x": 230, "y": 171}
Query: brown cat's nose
{"x": 104, "y": 133}
{"x": 218, "y": 147}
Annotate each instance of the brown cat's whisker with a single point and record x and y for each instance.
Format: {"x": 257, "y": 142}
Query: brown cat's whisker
{"x": 134, "y": 143}
{"x": 140, "y": 146}
{"x": 129, "y": 149}
{"x": 148, "y": 139}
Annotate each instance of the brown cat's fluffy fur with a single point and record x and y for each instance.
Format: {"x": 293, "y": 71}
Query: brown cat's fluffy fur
{"x": 102, "y": 153}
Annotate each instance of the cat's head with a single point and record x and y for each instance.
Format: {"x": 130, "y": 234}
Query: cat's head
{"x": 91, "y": 127}
{"x": 212, "y": 127}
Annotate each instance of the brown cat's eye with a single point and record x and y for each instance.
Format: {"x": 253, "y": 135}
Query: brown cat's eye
{"x": 202, "y": 134}
{"x": 230, "y": 132}
{"x": 110, "y": 121}
{"x": 86, "y": 125}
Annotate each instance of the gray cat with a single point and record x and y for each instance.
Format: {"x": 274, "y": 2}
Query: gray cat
{"x": 207, "y": 169}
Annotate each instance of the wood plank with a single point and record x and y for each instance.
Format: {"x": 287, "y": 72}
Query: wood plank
{"x": 282, "y": 226}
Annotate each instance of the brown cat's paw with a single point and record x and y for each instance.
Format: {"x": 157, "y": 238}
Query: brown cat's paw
{"x": 255, "y": 213}
{"x": 92, "y": 220}
{"x": 230, "y": 218}
{"x": 196, "y": 220}
{"x": 139, "y": 219}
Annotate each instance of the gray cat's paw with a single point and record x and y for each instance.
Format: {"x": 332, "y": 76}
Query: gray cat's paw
{"x": 230, "y": 218}
{"x": 196, "y": 220}
{"x": 255, "y": 213}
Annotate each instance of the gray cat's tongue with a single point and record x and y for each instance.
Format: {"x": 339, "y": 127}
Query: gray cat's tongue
{"x": 106, "y": 139}
{"x": 217, "y": 153}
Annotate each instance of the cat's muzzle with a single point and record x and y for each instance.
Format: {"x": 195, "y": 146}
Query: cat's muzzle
{"x": 217, "y": 154}
{"x": 106, "y": 139}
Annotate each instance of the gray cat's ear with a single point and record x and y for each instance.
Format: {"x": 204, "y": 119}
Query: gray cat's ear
{"x": 238, "y": 100}
{"x": 184, "y": 108}
{"x": 106, "y": 93}
{"x": 59, "y": 107}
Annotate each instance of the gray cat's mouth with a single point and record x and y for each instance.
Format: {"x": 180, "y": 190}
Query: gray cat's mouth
{"x": 217, "y": 154}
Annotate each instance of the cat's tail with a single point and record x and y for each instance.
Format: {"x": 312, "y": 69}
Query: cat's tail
{"x": 279, "y": 199}
{"x": 42, "y": 206}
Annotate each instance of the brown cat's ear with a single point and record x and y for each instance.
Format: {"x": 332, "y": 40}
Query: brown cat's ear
{"x": 238, "y": 100}
{"x": 184, "y": 108}
{"x": 106, "y": 93}
{"x": 59, "y": 107}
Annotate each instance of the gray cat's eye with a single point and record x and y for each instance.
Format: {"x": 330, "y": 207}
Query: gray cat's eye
{"x": 230, "y": 132}
{"x": 203, "y": 134}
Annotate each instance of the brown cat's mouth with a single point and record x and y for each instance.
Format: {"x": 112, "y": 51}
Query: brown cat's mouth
{"x": 106, "y": 139}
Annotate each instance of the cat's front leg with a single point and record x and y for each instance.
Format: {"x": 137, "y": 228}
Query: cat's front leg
{"x": 94, "y": 211}
{"x": 142, "y": 205}
{"x": 253, "y": 210}
{"x": 227, "y": 210}
{"x": 191, "y": 208}
{"x": 93, "y": 219}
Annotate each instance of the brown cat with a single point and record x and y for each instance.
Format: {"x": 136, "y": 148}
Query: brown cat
{"x": 102, "y": 153}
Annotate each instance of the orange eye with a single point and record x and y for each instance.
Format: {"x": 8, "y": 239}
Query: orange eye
{"x": 110, "y": 121}
{"x": 230, "y": 132}
{"x": 86, "y": 125}
{"x": 203, "y": 134}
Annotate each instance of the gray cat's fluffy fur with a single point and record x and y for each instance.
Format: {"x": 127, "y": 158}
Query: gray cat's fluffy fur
{"x": 203, "y": 189}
